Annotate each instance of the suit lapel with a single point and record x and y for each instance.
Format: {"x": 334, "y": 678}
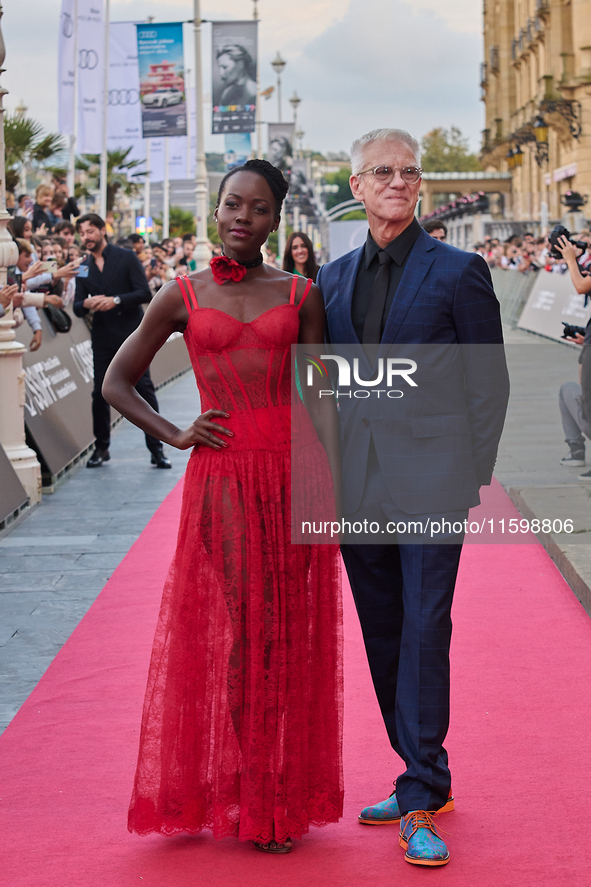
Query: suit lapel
{"x": 419, "y": 262}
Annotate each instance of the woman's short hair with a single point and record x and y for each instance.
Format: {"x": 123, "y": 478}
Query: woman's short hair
{"x": 382, "y": 135}
{"x": 239, "y": 54}
{"x": 23, "y": 246}
{"x": 43, "y": 191}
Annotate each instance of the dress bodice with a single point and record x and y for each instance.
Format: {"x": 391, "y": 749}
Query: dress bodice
{"x": 245, "y": 368}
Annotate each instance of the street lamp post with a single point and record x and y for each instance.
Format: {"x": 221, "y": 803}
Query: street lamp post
{"x": 278, "y": 66}
{"x": 295, "y": 101}
{"x": 12, "y": 378}
{"x": 202, "y": 254}
{"x": 258, "y": 123}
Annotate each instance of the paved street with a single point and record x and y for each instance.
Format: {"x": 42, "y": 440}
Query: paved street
{"x": 55, "y": 563}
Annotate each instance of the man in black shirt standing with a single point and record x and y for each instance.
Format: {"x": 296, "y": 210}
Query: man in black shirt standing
{"x": 115, "y": 289}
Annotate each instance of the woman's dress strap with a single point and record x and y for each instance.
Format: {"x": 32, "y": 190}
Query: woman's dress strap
{"x": 293, "y": 291}
{"x": 188, "y": 292}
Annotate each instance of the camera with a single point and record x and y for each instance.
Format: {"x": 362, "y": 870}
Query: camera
{"x": 561, "y": 231}
{"x": 571, "y": 331}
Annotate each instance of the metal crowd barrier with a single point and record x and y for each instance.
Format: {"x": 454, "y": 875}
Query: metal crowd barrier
{"x": 512, "y": 289}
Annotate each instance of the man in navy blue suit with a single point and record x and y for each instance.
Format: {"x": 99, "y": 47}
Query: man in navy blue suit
{"x": 427, "y": 459}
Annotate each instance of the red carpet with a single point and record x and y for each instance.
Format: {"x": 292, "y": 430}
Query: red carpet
{"x": 519, "y": 746}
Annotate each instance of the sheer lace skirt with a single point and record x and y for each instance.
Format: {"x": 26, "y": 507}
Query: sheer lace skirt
{"x": 242, "y": 723}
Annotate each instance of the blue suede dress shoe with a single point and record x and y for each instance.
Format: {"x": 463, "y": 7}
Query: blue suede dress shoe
{"x": 388, "y": 812}
{"x": 419, "y": 838}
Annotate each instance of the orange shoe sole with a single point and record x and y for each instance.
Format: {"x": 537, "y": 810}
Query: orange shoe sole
{"x": 414, "y": 861}
{"x": 447, "y": 808}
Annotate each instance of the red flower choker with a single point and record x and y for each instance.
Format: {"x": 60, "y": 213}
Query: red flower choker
{"x": 225, "y": 269}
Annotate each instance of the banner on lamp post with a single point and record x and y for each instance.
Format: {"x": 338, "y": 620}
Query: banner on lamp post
{"x": 90, "y": 65}
{"x": 237, "y": 149}
{"x": 162, "y": 80}
{"x": 234, "y": 76}
{"x": 280, "y": 153}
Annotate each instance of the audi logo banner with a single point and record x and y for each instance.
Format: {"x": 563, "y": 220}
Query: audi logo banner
{"x": 90, "y": 71}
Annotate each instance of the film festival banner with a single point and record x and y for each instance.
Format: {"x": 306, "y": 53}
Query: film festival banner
{"x": 553, "y": 301}
{"x": 162, "y": 80}
{"x": 234, "y": 76}
{"x": 91, "y": 61}
{"x": 280, "y": 153}
{"x": 125, "y": 111}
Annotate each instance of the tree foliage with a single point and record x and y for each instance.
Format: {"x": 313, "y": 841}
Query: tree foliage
{"x": 120, "y": 175}
{"x": 340, "y": 178}
{"x": 26, "y": 144}
{"x": 446, "y": 150}
{"x": 180, "y": 221}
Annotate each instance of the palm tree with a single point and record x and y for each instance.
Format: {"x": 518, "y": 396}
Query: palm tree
{"x": 26, "y": 144}
{"x": 120, "y": 175}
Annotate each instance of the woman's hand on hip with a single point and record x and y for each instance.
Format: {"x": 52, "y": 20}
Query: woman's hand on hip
{"x": 204, "y": 431}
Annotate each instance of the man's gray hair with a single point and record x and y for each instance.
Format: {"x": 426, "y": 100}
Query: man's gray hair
{"x": 382, "y": 135}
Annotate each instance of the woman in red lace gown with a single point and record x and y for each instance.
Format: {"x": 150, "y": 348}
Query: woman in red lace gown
{"x": 241, "y": 730}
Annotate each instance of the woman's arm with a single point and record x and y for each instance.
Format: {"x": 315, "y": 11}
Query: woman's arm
{"x": 569, "y": 254}
{"x": 322, "y": 410}
{"x": 166, "y": 314}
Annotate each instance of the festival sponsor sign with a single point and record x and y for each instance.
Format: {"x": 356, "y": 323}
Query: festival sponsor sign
{"x": 59, "y": 379}
{"x": 280, "y": 153}
{"x": 12, "y": 494}
{"x": 552, "y": 302}
{"x": 124, "y": 114}
{"x": 162, "y": 82}
{"x": 234, "y": 76}
{"x": 58, "y": 387}
{"x": 90, "y": 63}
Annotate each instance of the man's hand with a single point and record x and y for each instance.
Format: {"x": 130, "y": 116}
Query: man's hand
{"x": 99, "y": 303}
{"x": 7, "y": 295}
{"x": 578, "y": 339}
{"x": 35, "y": 341}
{"x": 53, "y": 300}
{"x": 33, "y": 270}
{"x": 68, "y": 270}
{"x": 569, "y": 252}
{"x": 106, "y": 303}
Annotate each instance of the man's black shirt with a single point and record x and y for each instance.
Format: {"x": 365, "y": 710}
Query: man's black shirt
{"x": 398, "y": 250}
{"x": 122, "y": 275}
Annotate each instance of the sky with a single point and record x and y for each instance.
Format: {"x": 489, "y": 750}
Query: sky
{"x": 356, "y": 64}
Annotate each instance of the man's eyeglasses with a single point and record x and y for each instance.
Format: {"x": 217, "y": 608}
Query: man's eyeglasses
{"x": 385, "y": 174}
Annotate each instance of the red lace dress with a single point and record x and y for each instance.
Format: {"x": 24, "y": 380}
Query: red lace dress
{"x": 242, "y": 721}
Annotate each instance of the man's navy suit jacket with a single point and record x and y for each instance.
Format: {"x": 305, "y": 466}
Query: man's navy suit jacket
{"x": 437, "y": 445}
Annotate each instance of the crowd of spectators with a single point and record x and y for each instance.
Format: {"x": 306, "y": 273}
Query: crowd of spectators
{"x": 518, "y": 252}
{"x": 50, "y": 254}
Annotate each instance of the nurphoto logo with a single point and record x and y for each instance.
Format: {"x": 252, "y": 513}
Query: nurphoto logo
{"x": 389, "y": 371}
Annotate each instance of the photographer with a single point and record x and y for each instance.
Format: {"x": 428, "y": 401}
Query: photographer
{"x": 575, "y": 397}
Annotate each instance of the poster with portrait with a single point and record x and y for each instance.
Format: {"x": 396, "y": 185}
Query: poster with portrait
{"x": 162, "y": 79}
{"x": 280, "y": 153}
{"x": 234, "y": 76}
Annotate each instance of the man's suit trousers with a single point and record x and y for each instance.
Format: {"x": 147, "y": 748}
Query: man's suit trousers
{"x": 103, "y": 354}
{"x": 403, "y": 594}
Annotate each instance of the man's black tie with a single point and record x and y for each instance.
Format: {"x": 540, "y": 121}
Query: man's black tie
{"x": 372, "y": 328}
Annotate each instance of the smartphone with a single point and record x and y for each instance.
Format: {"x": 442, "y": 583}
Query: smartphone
{"x": 50, "y": 265}
{"x": 13, "y": 275}
{"x": 82, "y": 271}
